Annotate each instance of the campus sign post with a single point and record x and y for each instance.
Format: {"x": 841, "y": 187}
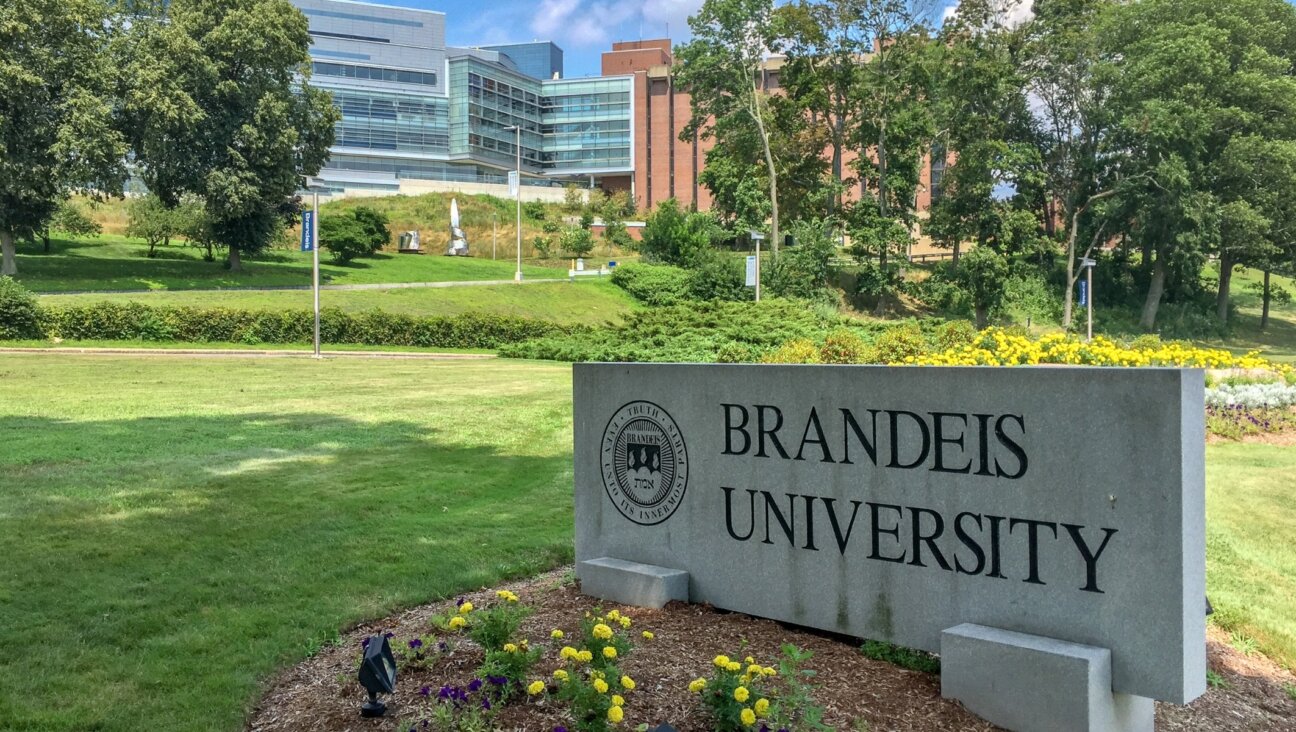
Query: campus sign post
{"x": 957, "y": 510}
{"x": 310, "y": 243}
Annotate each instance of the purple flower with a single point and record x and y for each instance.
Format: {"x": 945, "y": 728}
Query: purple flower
{"x": 389, "y": 635}
{"x": 474, "y": 685}
{"x": 364, "y": 643}
{"x": 442, "y": 647}
{"x": 486, "y": 705}
{"x": 425, "y": 691}
{"x": 560, "y": 728}
{"x": 446, "y": 692}
{"x": 459, "y": 601}
{"x": 416, "y": 643}
{"x": 497, "y": 680}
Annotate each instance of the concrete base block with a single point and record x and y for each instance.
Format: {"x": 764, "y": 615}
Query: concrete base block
{"x": 1028, "y": 683}
{"x": 632, "y": 583}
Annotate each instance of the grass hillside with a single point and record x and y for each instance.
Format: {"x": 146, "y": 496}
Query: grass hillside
{"x": 584, "y": 301}
{"x": 112, "y": 262}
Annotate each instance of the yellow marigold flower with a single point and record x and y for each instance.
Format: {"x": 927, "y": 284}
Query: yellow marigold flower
{"x": 556, "y": 634}
{"x": 614, "y": 615}
{"x": 457, "y": 622}
{"x": 721, "y": 661}
{"x": 697, "y": 685}
{"x": 618, "y": 700}
{"x": 754, "y": 670}
{"x": 506, "y": 595}
{"x": 748, "y": 717}
{"x": 535, "y": 688}
{"x": 561, "y": 675}
{"x": 733, "y": 666}
{"x": 584, "y": 656}
{"x": 749, "y": 659}
{"x": 567, "y": 652}
{"x": 767, "y": 671}
{"x": 628, "y": 683}
{"x": 741, "y": 694}
{"x": 510, "y": 648}
{"x": 648, "y": 635}
{"x": 600, "y": 686}
{"x": 602, "y": 632}
{"x": 615, "y": 715}
{"x": 609, "y": 652}
{"x": 761, "y": 706}
{"x": 625, "y": 621}
{"x": 465, "y": 608}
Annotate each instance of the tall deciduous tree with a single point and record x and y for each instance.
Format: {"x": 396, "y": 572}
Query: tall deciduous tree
{"x": 1191, "y": 81}
{"x": 222, "y": 106}
{"x": 57, "y": 130}
{"x": 1058, "y": 63}
{"x": 723, "y": 69}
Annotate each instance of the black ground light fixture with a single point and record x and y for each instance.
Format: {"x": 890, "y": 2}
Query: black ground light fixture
{"x": 377, "y": 675}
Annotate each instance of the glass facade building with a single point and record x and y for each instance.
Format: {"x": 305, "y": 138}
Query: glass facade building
{"x": 414, "y": 109}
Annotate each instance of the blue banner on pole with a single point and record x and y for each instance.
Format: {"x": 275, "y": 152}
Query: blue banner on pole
{"x": 308, "y": 231}
{"x": 1084, "y": 293}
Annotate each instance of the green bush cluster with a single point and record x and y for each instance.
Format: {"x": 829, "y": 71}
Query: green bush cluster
{"x": 654, "y": 284}
{"x": 700, "y": 332}
{"x": 19, "y": 313}
{"x": 134, "y": 322}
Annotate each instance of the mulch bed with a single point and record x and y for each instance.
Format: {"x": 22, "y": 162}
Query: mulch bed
{"x": 856, "y": 692}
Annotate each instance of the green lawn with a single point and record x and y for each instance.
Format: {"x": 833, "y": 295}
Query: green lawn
{"x": 175, "y": 530}
{"x": 1251, "y": 544}
{"x": 116, "y": 263}
{"x": 584, "y": 301}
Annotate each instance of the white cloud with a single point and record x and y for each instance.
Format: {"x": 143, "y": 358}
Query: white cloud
{"x": 586, "y": 23}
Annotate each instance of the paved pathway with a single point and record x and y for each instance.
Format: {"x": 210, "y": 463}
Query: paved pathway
{"x": 247, "y": 353}
{"x": 286, "y": 288}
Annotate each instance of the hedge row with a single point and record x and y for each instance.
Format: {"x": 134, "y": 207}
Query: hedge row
{"x": 133, "y": 321}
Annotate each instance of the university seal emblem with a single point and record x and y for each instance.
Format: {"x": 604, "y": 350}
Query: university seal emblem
{"x": 645, "y": 463}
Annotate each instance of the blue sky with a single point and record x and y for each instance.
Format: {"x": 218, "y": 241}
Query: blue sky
{"x": 583, "y": 28}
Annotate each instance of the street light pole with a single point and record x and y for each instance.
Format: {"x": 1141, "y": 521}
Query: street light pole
{"x": 517, "y": 276}
{"x": 1089, "y": 265}
{"x": 494, "y": 233}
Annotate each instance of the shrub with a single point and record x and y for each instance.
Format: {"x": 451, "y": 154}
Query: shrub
{"x": 982, "y": 273}
{"x": 654, "y": 284}
{"x": 344, "y": 236}
{"x": 844, "y": 346}
{"x": 798, "y": 350}
{"x": 693, "y": 332}
{"x": 70, "y": 219}
{"x": 674, "y": 236}
{"x": 718, "y": 276}
{"x": 534, "y": 210}
{"x": 803, "y": 271}
{"x": 900, "y": 343}
{"x": 133, "y": 321}
{"x": 374, "y": 223}
{"x": 955, "y": 334}
{"x": 577, "y": 241}
{"x": 19, "y": 313}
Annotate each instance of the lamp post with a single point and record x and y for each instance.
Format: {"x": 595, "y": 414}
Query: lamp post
{"x": 494, "y": 233}
{"x": 517, "y": 276}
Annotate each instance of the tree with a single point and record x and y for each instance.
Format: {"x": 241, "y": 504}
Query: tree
{"x": 673, "y": 236}
{"x": 983, "y": 274}
{"x": 360, "y": 232}
{"x": 69, "y": 219}
{"x": 722, "y": 68}
{"x": 150, "y": 219}
{"x": 236, "y": 120}
{"x": 345, "y": 236}
{"x": 577, "y": 241}
{"x": 1201, "y": 92}
{"x": 982, "y": 115}
{"x": 374, "y": 223}
{"x": 57, "y": 130}
{"x": 1058, "y": 64}
{"x": 612, "y": 212}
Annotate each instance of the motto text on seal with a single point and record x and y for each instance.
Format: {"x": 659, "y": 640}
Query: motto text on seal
{"x": 645, "y": 463}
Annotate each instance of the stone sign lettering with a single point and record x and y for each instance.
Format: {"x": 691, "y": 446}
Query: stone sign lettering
{"x": 894, "y": 503}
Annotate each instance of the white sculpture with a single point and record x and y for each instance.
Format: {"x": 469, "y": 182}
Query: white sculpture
{"x": 458, "y": 241}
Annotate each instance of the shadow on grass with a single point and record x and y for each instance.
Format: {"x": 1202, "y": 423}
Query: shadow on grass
{"x": 158, "y": 569}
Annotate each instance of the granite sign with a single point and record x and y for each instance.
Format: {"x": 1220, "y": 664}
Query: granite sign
{"x": 896, "y": 503}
